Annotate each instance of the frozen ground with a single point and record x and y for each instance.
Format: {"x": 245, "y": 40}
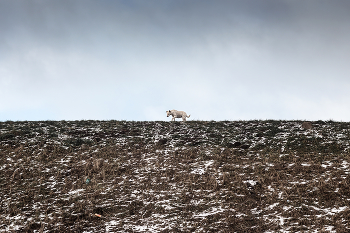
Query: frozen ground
{"x": 119, "y": 176}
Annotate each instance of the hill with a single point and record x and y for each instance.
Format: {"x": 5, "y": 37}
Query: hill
{"x": 198, "y": 176}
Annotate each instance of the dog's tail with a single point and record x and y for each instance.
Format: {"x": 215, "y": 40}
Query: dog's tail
{"x": 188, "y": 116}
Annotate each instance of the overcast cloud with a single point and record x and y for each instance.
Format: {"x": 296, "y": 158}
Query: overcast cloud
{"x": 133, "y": 60}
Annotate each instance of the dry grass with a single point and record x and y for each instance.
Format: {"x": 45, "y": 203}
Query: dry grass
{"x": 246, "y": 176}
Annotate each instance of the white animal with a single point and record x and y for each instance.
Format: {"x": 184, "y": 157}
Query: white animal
{"x": 177, "y": 114}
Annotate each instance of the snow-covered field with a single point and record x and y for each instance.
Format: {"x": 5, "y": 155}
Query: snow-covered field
{"x": 198, "y": 176}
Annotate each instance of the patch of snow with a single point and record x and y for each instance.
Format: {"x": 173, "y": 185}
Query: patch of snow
{"x": 251, "y": 182}
{"x": 200, "y": 170}
{"x": 213, "y": 210}
{"x": 77, "y": 191}
{"x": 338, "y": 210}
{"x": 109, "y": 225}
{"x": 270, "y": 207}
{"x": 326, "y": 165}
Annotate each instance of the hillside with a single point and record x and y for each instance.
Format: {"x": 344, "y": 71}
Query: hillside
{"x": 198, "y": 176}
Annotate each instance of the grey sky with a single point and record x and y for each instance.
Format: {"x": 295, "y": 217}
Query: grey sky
{"x": 133, "y": 60}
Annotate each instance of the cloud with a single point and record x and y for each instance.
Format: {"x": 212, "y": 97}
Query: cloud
{"x": 134, "y": 60}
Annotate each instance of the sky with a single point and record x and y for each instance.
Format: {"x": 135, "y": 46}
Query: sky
{"x": 135, "y": 59}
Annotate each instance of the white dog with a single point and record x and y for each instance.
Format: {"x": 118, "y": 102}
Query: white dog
{"x": 177, "y": 114}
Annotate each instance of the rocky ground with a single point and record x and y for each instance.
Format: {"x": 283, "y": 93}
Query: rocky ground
{"x": 198, "y": 176}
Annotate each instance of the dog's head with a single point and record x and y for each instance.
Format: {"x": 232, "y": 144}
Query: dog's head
{"x": 168, "y": 113}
